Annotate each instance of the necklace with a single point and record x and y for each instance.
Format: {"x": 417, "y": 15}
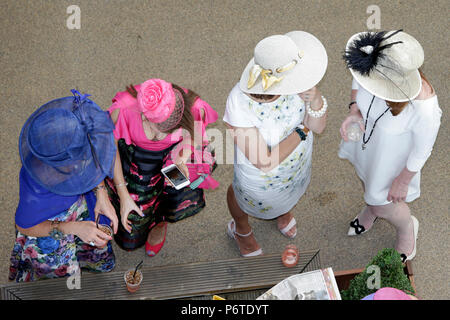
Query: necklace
{"x": 373, "y": 128}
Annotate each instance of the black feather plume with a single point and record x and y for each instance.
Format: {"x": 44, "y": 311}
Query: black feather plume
{"x": 361, "y": 61}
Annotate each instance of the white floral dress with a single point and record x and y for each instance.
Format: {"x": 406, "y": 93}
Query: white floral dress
{"x": 269, "y": 195}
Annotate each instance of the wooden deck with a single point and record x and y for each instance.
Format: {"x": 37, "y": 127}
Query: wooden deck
{"x": 200, "y": 279}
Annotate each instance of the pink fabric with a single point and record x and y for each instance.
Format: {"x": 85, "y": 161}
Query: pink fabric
{"x": 156, "y": 100}
{"x": 390, "y": 294}
{"x": 129, "y": 127}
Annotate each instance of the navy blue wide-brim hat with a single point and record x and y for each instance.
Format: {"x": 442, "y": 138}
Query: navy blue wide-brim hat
{"x": 67, "y": 145}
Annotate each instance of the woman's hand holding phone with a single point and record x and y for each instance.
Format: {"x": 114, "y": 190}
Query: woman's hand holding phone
{"x": 180, "y": 168}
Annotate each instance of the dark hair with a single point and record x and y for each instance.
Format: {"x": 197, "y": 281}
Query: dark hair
{"x": 187, "y": 120}
{"x": 266, "y": 97}
{"x": 397, "y": 107}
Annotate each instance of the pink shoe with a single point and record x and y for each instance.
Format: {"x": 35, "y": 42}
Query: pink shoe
{"x": 150, "y": 250}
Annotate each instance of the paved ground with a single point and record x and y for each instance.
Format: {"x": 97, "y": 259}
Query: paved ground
{"x": 204, "y": 45}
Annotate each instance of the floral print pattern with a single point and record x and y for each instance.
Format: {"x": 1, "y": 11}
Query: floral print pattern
{"x": 268, "y": 195}
{"x": 36, "y": 258}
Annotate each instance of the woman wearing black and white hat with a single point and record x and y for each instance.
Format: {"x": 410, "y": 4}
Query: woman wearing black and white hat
{"x": 397, "y": 110}
{"x": 273, "y": 111}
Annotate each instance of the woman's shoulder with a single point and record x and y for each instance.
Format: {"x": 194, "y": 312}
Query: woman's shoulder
{"x": 427, "y": 92}
{"x": 237, "y": 112}
{"x": 426, "y": 105}
{"x": 426, "y": 101}
{"x": 237, "y": 94}
{"x": 124, "y": 99}
{"x": 237, "y": 100}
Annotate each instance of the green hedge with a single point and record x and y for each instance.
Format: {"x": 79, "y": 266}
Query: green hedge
{"x": 392, "y": 275}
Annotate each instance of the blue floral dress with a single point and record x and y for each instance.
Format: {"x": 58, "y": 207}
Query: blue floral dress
{"x": 36, "y": 258}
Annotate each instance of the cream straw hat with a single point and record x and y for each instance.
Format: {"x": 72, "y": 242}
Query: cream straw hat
{"x": 386, "y": 64}
{"x": 285, "y": 64}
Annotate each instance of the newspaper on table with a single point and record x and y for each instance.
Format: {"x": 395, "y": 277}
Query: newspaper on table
{"x": 315, "y": 285}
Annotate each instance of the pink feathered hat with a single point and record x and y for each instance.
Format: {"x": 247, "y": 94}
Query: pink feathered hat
{"x": 161, "y": 103}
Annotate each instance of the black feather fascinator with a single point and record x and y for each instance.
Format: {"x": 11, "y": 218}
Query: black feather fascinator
{"x": 363, "y": 54}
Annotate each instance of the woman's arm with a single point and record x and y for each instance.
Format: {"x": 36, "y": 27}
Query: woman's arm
{"x": 43, "y": 229}
{"x": 424, "y": 135}
{"x": 103, "y": 206}
{"x": 399, "y": 187}
{"x": 181, "y": 154}
{"x": 354, "y": 115}
{"x": 313, "y": 96}
{"x": 127, "y": 204}
{"x": 85, "y": 230}
{"x": 252, "y": 144}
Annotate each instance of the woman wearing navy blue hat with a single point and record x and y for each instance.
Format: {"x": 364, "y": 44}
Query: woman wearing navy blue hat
{"x": 67, "y": 149}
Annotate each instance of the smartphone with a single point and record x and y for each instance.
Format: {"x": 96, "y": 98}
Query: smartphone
{"x": 175, "y": 176}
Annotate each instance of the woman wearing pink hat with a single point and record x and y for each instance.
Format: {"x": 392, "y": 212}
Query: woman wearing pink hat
{"x": 156, "y": 124}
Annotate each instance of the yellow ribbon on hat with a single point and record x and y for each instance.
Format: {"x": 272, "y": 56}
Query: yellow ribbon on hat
{"x": 267, "y": 77}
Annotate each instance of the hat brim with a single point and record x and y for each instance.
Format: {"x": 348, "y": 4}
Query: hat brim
{"x": 384, "y": 88}
{"x": 306, "y": 74}
{"x": 84, "y": 175}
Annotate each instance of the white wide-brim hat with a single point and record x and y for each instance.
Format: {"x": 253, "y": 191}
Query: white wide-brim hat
{"x": 295, "y": 62}
{"x": 394, "y": 76}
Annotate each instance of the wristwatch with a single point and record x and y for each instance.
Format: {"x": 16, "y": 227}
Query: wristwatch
{"x": 56, "y": 233}
{"x": 301, "y": 133}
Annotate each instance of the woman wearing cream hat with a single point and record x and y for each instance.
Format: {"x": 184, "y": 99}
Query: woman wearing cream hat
{"x": 398, "y": 112}
{"x": 273, "y": 111}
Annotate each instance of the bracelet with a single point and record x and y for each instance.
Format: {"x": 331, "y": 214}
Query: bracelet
{"x": 351, "y": 103}
{"x": 55, "y": 233}
{"x": 98, "y": 188}
{"x": 318, "y": 113}
{"x": 121, "y": 184}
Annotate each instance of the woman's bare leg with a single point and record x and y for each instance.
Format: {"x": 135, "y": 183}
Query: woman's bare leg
{"x": 156, "y": 235}
{"x": 284, "y": 220}
{"x": 246, "y": 244}
{"x": 399, "y": 215}
{"x": 366, "y": 218}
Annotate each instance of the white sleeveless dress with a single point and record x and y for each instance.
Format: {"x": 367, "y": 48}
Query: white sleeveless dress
{"x": 405, "y": 140}
{"x": 269, "y": 195}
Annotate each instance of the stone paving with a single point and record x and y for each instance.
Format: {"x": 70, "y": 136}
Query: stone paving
{"x": 204, "y": 45}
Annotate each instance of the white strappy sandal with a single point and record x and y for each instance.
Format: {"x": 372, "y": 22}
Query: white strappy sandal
{"x": 231, "y": 231}
{"x": 286, "y": 229}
